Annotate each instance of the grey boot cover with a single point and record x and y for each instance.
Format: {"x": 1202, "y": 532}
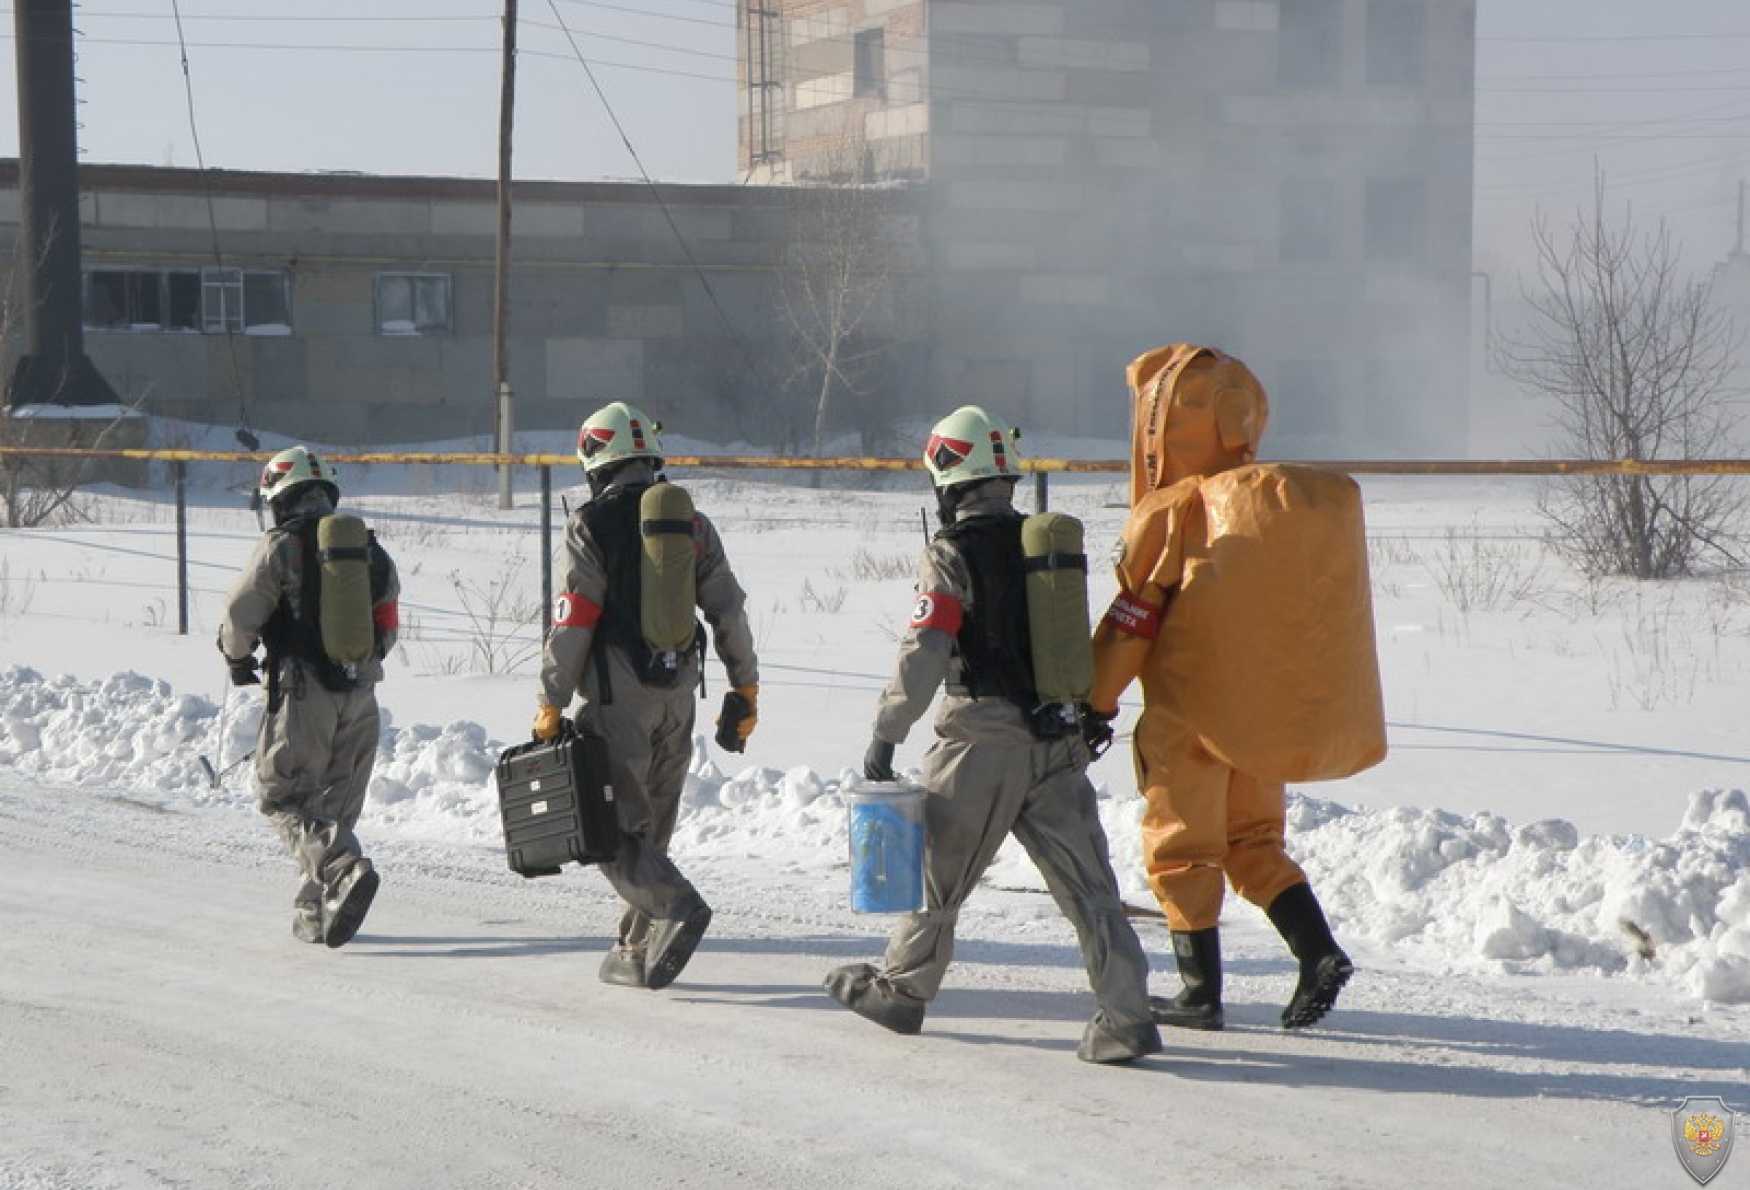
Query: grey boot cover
{"x": 344, "y": 908}
{"x": 673, "y": 940}
{"x": 1108, "y": 1044}
{"x": 307, "y": 921}
{"x": 860, "y": 988}
{"x": 623, "y": 966}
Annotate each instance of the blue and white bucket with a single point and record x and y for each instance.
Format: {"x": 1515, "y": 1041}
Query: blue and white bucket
{"x": 887, "y": 847}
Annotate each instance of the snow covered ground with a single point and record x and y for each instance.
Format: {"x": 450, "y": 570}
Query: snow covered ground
{"x": 1544, "y": 888}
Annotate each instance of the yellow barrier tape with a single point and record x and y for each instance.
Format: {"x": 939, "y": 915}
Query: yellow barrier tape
{"x": 852, "y": 463}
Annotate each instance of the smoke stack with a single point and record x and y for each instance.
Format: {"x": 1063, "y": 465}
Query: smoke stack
{"x": 54, "y": 368}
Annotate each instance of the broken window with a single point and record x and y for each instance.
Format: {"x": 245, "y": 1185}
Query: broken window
{"x": 136, "y": 300}
{"x": 212, "y": 300}
{"x": 413, "y": 303}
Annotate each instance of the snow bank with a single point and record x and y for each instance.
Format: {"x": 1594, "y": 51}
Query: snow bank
{"x": 1449, "y": 891}
{"x": 1538, "y": 898}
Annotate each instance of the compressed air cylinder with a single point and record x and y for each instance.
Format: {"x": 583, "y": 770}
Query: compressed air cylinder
{"x": 343, "y": 552}
{"x": 667, "y": 591}
{"x": 1057, "y": 607}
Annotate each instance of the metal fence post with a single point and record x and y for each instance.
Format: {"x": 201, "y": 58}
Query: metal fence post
{"x": 546, "y": 550}
{"x": 180, "y": 470}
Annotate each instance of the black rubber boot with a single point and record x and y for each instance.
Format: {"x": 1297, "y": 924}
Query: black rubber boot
{"x": 1198, "y": 1006}
{"x": 1324, "y": 968}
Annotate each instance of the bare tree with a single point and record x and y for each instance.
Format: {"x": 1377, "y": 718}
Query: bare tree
{"x": 1638, "y": 360}
{"x": 35, "y": 490}
{"x": 837, "y": 295}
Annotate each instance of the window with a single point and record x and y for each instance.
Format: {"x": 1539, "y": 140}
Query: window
{"x": 1396, "y": 217}
{"x": 267, "y": 303}
{"x": 216, "y": 301}
{"x": 1309, "y": 219}
{"x": 413, "y": 303}
{"x": 1396, "y": 53}
{"x": 1310, "y": 44}
{"x": 869, "y": 67}
{"x": 142, "y": 299}
{"x": 221, "y": 300}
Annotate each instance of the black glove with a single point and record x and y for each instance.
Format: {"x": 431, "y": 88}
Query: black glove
{"x": 1097, "y": 731}
{"x": 245, "y": 671}
{"x": 735, "y": 722}
{"x": 878, "y": 761}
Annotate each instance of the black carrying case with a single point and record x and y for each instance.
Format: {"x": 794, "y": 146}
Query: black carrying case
{"x": 557, "y": 803}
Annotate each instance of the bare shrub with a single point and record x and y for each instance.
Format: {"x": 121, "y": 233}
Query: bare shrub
{"x": 867, "y": 567}
{"x": 1476, "y": 574}
{"x": 1638, "y": 361}
{"x": 503, "y": 625}
{"x": 829, "y": 600}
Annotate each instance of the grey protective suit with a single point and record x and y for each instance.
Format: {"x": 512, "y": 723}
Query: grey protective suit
{"x": 315, "y": 749}
{"x": 988, "y": 776}
{"x": 648, "y": 729}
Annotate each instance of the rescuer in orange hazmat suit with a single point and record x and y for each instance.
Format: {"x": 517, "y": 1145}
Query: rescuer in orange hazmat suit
{"x": 1244, "y": 608}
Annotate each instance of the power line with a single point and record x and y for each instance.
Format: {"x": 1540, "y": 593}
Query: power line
{"x": 243, "y": 433}
{"x": 1638, "y": 39}
{"x": 661, "y": 203}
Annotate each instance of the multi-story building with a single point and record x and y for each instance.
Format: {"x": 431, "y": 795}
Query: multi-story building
{"x": 1288, "y": 179}
{"x": 1028, "y": 195}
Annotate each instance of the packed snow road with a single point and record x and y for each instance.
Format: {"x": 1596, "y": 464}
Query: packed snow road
{"x": 160, "y": 1027}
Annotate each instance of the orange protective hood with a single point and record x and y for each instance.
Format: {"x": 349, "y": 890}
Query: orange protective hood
{"x": 1199, "y": 411}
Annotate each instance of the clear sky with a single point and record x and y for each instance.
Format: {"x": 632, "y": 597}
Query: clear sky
{"x": 1656, "y": 93}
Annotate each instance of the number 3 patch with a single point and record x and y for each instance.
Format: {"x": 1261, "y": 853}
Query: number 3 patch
{"x": 939, "y": 611}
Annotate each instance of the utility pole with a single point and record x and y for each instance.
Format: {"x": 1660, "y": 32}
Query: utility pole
{"x": 501, "y": 277}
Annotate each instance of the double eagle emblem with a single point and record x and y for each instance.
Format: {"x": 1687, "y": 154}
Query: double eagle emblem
{"x": 1702, "y": 1131}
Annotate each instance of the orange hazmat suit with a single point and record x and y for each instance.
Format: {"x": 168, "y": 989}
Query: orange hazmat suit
{"x": 1244, "y": 609}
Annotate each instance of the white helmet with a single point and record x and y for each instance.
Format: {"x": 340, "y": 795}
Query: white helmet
{"x": 616, "y": 433}
{"x": 969, "y": 445}
{"x": 291, "y": 470}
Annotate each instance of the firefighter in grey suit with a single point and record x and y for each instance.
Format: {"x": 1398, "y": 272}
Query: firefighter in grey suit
{"x": 641, "y": 701}
{"x": 994, "y": 769}
{"x": 318, "y": 737}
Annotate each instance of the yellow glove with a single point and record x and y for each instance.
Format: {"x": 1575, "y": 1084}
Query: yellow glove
{"x": 547, "y": 721}
{"x": 741, "y": 710}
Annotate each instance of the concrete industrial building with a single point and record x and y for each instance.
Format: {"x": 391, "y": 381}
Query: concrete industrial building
{"x": 1046, "y": 190}
{"x": 358, "y": 310}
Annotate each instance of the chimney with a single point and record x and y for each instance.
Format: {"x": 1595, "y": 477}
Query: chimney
{"x": 54, "y": 369}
